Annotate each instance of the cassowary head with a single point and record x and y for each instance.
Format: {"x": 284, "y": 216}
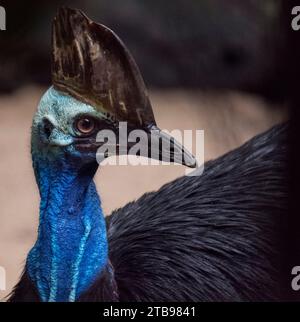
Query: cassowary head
{"x": 96, "y": 85}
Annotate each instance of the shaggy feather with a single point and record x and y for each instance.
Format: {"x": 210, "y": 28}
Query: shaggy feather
{"x": 213, "y": 237}
{"x": 216, "y": 237}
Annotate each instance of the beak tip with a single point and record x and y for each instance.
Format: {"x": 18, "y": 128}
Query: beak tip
{"x": 192, "y": 163}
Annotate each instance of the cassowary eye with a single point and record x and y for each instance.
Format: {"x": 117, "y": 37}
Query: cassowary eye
{"x": 85, "y": 125}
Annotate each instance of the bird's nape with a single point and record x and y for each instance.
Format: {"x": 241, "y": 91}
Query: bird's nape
{"x": 197, "y": 238}
{"x": 71, "y": 251}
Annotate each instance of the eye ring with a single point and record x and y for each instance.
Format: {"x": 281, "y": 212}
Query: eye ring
{"x": 85, "y": 125}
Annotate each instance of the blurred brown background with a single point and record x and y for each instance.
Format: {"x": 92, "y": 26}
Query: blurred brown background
{"x": 211, "y": 65}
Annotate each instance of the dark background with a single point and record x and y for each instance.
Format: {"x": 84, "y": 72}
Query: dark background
{"x": 203, "y": 44}
{"x": 229, "y": 67}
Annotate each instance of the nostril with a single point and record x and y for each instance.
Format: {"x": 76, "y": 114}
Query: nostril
{"x": 48, "y": 127}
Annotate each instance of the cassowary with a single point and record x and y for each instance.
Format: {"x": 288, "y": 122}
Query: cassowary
{"x": 199, "y": 238}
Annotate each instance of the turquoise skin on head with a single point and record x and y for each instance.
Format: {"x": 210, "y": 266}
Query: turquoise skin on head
{"x": 71, "y": 249}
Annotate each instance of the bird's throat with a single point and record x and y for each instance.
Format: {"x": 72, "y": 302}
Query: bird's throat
{"x": 71, "y": 248}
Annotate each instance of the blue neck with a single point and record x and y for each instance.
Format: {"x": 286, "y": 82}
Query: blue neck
{"x": 71, "y": 249}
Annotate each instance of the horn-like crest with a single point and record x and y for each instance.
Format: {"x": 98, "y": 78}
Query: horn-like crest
{"x": 90, "y": 63}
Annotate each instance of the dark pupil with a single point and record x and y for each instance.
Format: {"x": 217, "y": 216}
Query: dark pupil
{"x": 85, "y": 125}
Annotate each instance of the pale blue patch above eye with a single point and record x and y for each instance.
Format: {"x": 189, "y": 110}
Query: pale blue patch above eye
{"x": 71, "y": 250}
{"x": 62, "y": 110}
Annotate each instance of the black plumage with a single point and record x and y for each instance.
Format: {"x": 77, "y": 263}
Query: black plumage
{"x": 214, "y": 237}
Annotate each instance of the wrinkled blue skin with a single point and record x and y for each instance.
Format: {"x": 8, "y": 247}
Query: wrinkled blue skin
{"x": 71, "y": 249}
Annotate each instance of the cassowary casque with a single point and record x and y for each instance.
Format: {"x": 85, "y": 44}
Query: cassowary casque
{"x": 199, "y": 238}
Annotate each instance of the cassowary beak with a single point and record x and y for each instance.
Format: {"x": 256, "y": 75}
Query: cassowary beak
{"x": 169, "y": 149}
{"x": 90, "y": 63}
{"x": 160, "y": 146}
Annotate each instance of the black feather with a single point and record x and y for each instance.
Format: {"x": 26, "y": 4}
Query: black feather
{"x": 214, "y": 237}
{"x": 24, "y": 291}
